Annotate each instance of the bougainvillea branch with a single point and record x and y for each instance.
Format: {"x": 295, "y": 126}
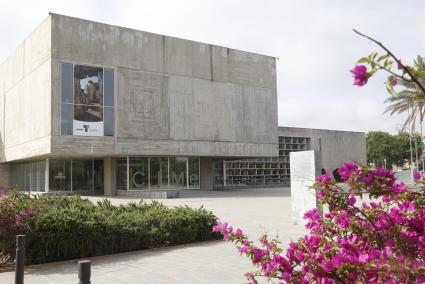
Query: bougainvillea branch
{"x": 405, "y": 68}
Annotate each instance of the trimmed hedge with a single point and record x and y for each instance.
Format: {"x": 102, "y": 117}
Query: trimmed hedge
{"x": 69, "y": 227}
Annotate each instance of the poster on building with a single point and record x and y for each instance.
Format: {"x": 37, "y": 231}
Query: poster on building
{"x": 88, "y": 101}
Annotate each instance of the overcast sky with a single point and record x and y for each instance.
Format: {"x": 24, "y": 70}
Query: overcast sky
{"x": 312, "y": 39}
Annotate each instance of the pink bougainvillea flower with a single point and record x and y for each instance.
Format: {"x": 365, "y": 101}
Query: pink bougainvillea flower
{"x": 399, "y": 64}
{"x": 238, "y": 233}
{"x": 360, "y": 75}
{"x": 417, "y": 175}
{"x": 394, "y": 81}
{"x": 347, "y": 169}
{"x": 324, "y": 178}
{"x": 351, "y": 200}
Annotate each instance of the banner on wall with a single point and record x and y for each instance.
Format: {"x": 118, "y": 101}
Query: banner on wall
{"x": 88, "y": 101}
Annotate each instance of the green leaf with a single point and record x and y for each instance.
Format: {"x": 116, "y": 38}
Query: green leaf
{"x": 382, "y": 57}
{"x": 363, "y": 60}
{"x": 388, "y": 64}
{"x": 373, "y": 65}
{"x": 373, "y": 55}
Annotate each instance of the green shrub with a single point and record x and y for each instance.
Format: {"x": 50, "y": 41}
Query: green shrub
{"x": 69, "y": 227}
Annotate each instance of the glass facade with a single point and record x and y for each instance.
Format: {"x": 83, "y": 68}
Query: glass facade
{"x": 139, "y": 173}
{"x": 87, "y": 175}
{"x": 60, "y": 175}
{"x": 75, "y": 175}
{"x": 156, "y": 173}
{"x": 29, "y": 176}
{"x": 193, "y": 166}
{"x": 178, "y": 172}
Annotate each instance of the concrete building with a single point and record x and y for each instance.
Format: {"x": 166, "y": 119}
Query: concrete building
{"x": 94, "y": 108}
{"x": 334, "y": 148}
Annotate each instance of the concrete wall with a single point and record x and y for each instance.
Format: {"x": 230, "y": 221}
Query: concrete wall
{"x": 25, "y": 93}
{"x": 173, "y": 96}
{"x": 336, "y": 147}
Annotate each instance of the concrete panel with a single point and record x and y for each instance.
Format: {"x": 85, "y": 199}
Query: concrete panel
{"x": 220, "y": 59}
{"x": 214, "y": 111}
{"x": 305, "y": 166}
{"x": 28, "y": 109}
{"x": 37, "y": 47}
{"x": 187, "y": 58}
{"x": 251, "y": 69}
{"x": 142, "y": 105}
{"x": 35, "y": 148}
{"x": 260, "y": 115}
{"x": 204, "y": 110}
{"x": 14, "y": 67}
{"x": 89, "y": 42}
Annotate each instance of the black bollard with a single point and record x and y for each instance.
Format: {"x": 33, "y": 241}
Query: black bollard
{"x": 84, "y": 272}
{"x": 20, "y": 258}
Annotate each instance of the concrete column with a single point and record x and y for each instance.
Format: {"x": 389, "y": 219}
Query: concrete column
{"x": 207, "y": 172}
{"x": 108, "y": 184}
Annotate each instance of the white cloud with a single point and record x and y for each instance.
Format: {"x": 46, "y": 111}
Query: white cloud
{"x": 313, "y": 40}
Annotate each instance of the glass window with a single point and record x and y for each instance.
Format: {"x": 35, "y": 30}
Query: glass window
{"x": 109, "y": 121}
{"x": 66, "y": 83}
{"x": 82, "y": 175}
{"x": 178, "y": 167}
{"x": 109, "y": 87}
{"x": 41, "y": 176}
{"x": 60, "y": 175}
{"x": 193, "y": 172}
{"x": 139, "y": 173}
{"x": 159, "y": 172}
{"x": 28, "y": 176}
{"x": 66, "y": 119}
{"x": 121, "y": 173}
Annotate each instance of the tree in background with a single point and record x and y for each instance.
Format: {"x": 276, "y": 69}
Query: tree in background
{"x": 384, "y": 149}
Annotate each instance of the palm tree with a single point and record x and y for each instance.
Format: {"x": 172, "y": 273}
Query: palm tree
{"x": 410, "y": 99}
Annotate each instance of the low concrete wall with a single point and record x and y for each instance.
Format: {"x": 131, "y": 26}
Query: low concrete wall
{"x": 305, "y": 166}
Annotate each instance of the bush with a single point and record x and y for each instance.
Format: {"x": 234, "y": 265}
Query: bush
{"x": 17, "y": 216}
{"x": 69, "y": 227}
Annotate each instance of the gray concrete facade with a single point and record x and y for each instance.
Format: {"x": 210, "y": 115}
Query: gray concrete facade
{"x": 173, "y": 96}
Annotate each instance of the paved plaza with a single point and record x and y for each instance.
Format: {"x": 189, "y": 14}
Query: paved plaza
{"x": 254, "y": 210}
